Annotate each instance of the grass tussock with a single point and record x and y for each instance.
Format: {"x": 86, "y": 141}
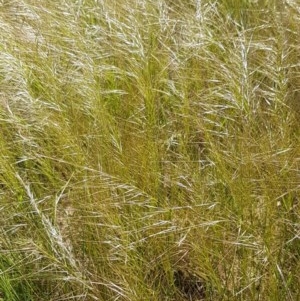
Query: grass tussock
{"x": 149, "y": 150}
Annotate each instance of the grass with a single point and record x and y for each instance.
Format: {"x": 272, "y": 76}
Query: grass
{"x": 149, "y": 150}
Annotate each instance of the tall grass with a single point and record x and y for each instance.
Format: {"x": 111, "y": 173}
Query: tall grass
{"x": 149, "y": 150}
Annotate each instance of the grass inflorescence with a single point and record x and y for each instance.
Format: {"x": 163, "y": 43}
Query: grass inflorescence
{"x": 149, "y": 150}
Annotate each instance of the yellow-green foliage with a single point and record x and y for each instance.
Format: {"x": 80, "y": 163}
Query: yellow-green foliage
{"x": 149, "y": 150}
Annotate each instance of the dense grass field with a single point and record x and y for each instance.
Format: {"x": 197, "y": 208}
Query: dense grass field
{"x": 149, "y": 150}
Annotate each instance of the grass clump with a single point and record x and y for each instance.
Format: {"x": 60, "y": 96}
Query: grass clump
{"x": 149, "y": 150}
